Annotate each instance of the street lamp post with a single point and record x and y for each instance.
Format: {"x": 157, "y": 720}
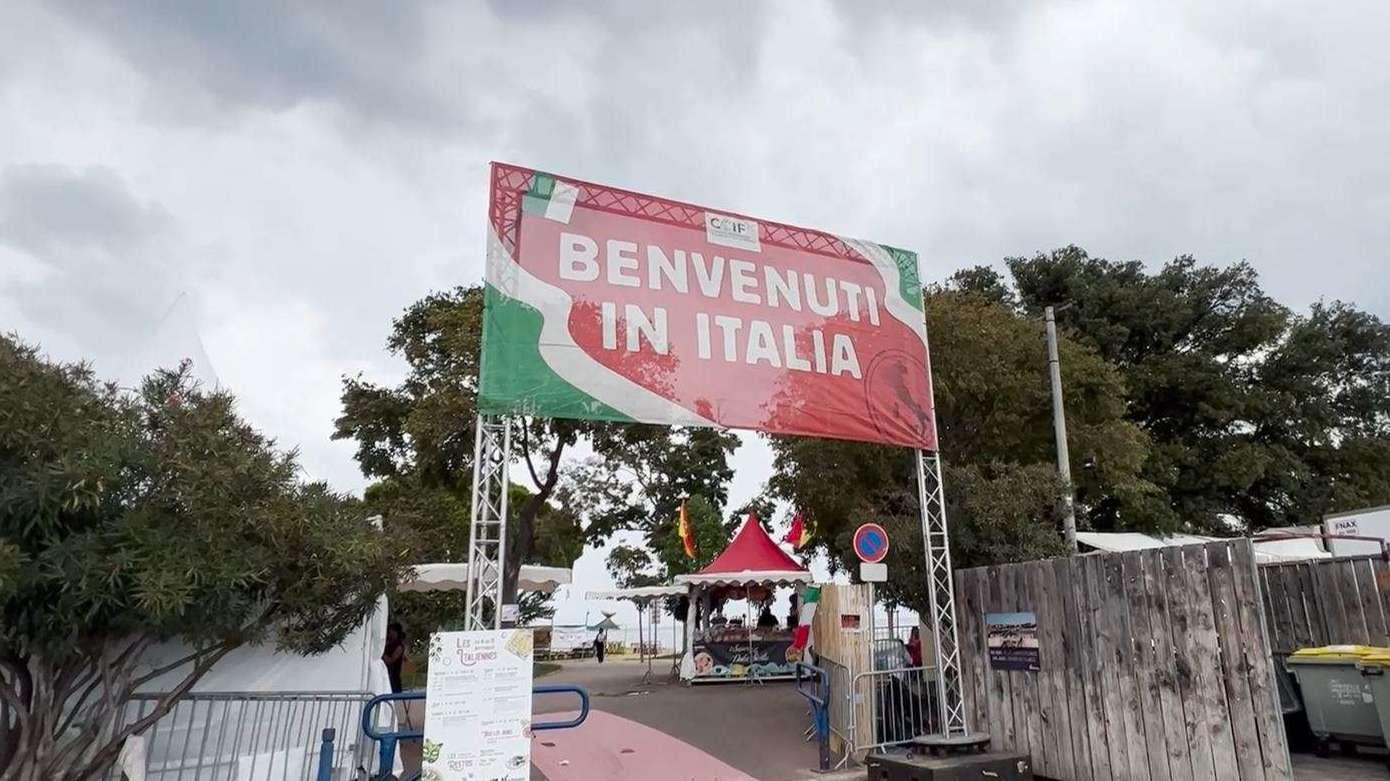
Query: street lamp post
{"x": 1059, "y": 430}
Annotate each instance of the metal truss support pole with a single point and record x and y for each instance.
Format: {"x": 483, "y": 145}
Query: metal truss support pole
{"x": 487, "y": 531}
{"x": 942, "y": 592}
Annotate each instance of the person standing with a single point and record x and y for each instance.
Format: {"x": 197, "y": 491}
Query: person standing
{"x": 601, "y": 643}
{"x": 914, "y": 647}
{"x": 393, "y": 655}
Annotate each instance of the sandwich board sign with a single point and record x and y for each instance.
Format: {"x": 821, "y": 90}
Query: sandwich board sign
{"x": 478, "y": 714}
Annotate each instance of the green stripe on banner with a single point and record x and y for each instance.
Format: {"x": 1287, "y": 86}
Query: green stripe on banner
{"x": 909, "y": 283}
{"x": 811, "y": 595}
{"x": 512, "y": 334}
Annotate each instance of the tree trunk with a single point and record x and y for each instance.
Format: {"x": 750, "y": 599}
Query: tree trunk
{"x": 522, "y": 545}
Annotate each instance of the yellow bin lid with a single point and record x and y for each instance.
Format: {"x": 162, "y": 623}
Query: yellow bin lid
{"x": 1380, "y": 656}
{"x": 1336, "y": 653}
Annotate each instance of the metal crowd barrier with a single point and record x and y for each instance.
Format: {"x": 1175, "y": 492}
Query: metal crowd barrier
{"x": 901, "y": 702}
{"x": 387, "y": 740}
{"x": 841, "y": 706}
{"x": 280, "y": 736}
{"x": 819, "y": 699}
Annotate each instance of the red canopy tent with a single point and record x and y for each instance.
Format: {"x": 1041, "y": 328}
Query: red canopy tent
{"x": 751, "y": 558}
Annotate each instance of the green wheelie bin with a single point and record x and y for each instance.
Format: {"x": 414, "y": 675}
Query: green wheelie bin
{"x": 1375, "y": 671}
{"x": 1337, "y": 696}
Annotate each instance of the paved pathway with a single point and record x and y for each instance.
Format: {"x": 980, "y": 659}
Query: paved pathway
{"x": 666, "y": 732}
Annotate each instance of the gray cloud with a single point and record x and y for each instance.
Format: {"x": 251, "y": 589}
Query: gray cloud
{"x": 105, "y": 270}
{"x": 307, "y": 170}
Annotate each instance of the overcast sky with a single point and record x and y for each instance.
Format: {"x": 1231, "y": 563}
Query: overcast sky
{"x": 303, "y": 175}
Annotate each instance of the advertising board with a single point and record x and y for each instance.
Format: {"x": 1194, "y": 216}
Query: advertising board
{"x": 606, "y": 304}
{"x": 1371, "y": 522}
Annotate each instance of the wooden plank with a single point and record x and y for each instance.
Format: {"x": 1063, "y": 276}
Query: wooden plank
{"x": 1055, "y": 661}
{"x": 973, "y": 658}
{"x": 1368, "y": 594}
{"x": 1264, "y": 695}
{"x": 1165, "y": 674}
{"x": 1088, "y": 587}
{"x": 1110, "y": 599}
{"x": 1380, "y": 575}
{"x": 1208, "y": 663}
{"x": 1056, "y": 741}
{"x": 1239, "y": 709}
{"x": 1127, "y": 668}
{"x": 1277, "y": 608}
{"x": 1145, "y": 666}
{"x": 1040, "y": 737}
{"x": 1351, "y": 601}
{"x": 1301, "y": 626}
{"x": 1334, "y": 613}
{"x": 1025, "y": 705}
{"x": 1314, "y": 606}
{"x": 1185, "y": 648}
{"x": 1075, "y": 679}
{"x": 1001, "y": 691}
{"x": 1026, "y": 683}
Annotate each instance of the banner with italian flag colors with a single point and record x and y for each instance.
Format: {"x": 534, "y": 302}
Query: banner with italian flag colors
{"x": 810, "y": 598}
{"x": 686, "y": 535}
{"x": 606, "y": 304}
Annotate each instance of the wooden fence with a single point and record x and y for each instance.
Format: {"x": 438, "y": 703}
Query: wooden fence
{"x": 1152, "y": 665}
{"x": 1326, "y": 602}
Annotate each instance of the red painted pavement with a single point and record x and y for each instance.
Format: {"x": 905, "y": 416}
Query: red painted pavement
{"x": 612, "y": 748}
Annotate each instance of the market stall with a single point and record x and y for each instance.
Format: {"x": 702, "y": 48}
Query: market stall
{"x": 720, "y": 647}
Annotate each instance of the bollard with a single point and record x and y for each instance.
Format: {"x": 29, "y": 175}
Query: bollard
{"x": 326, "y": 755}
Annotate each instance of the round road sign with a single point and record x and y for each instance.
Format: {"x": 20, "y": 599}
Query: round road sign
{"x": 871, "y": 543}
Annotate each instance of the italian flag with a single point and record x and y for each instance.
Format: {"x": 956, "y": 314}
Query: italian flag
{"x": 810, "y": 598}
{"x": 683, "y": 529}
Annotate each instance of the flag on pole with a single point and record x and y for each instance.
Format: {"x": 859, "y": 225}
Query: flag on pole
{"x": 810, "y": 598}
{"x": 687, "y": 537}
{"x": 798, "y": 535}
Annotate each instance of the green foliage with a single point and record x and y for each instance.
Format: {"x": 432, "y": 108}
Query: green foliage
{"x": 639, "y": 478}
{"x": 994, "y": 412}
{"x": 128, "y": 518}
{"x": 1254, "y": 413}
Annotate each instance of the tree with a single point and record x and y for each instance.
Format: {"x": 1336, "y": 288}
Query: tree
{"x": 638, "y": 479}
{"x": 420, "y": 433}
{"x": 663, "y": 557}
{"x": 1259, "y": 417}
{"x": 128, "y": 518}
{"x": 994, "y": 417}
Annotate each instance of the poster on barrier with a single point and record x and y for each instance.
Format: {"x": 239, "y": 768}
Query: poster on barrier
{"x": 1012, "y": 640}
{"x": 478, "y": 714}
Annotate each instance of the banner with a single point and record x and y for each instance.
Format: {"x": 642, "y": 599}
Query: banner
{"x": 604, "y": 304}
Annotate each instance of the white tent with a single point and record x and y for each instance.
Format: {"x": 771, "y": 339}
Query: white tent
{"x": 450, "y": 576}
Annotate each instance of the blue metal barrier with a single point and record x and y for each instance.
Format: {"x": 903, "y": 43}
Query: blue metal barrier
{"x": 387, "y": 740}
{"x": 820, "y": 710}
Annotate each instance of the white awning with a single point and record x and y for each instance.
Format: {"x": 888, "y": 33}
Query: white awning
{"x": 451, "y": 576}
{"x": 640, "y": 594}
{"x": 748, "y": 578}
{"x": 1266, "y": 551}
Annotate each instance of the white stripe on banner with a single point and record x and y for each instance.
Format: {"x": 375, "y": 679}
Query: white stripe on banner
{"x": 568, "y": 359}
{"x": 561, "y": 204}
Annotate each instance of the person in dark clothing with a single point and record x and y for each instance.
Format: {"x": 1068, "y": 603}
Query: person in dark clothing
{"x": 601, "y": 644}
{"x": 794, "y": 616}
{"x": 394, "y": 654}
{"x": 766, "y": 620}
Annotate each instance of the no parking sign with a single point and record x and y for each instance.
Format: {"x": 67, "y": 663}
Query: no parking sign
{"x": 870, "y": 543}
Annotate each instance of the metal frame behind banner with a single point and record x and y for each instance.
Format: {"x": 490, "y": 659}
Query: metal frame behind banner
{"x": 941, "y": 590}
{"x": 487, "y": 531}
